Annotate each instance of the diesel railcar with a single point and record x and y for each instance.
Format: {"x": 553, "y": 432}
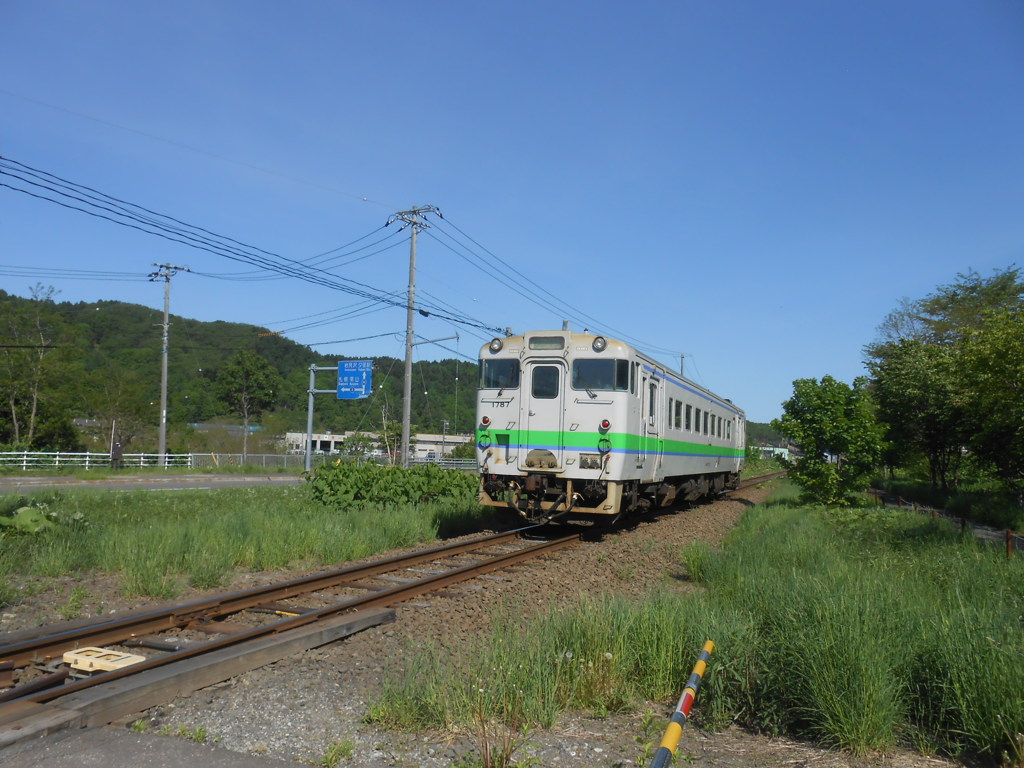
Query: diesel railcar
{"x": 577, "y": 426}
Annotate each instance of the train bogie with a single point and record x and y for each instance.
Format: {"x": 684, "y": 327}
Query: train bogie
{"x": 575, "y": 425}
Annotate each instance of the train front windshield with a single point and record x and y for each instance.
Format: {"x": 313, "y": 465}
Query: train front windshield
{"x": 600, "y": 375}
{"x": 499, "y": 374}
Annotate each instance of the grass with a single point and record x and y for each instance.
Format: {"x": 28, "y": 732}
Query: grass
{"x": 860, "y": 629}
{"x": 981, "y": 501}
{"x": 335, "y": 753}
{"x": 160, "y": 541}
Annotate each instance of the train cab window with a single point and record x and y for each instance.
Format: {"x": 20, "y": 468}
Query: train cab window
{"x": 632, "y": 378}
{"x": 545, "y": 382}
{"x": 499, "y": 374}
{"x": 600, "y": 375}
{"x": 689, "y": 421}
{"x": 651, "y": 400}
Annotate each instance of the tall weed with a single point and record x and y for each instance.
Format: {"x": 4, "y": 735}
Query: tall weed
{"x": 853, "y": 627}
{"x": 158, "y": 541}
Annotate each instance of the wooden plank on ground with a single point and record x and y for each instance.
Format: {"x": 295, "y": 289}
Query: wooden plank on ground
{"x": 105, "y": 703}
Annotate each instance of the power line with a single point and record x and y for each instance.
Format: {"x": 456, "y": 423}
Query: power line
{"x": 110, "y": 208}
{"x": 573, "y": 312}
{"x": 197, "y": 150}
{"x": 70, "y": 274}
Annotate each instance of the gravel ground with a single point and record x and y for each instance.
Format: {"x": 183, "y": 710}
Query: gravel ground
{"x": 297, "y": 708}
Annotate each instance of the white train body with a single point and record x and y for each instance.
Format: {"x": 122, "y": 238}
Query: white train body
{"x": 572, "y": 425}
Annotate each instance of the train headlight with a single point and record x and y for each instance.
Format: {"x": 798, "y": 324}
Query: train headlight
{"x": 605, "y": 425}
{"x": 600, "y": 344}
{"x": 496, "y": 345}
{"x": 486, "y": 420}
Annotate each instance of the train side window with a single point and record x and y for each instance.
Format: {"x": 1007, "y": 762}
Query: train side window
{"x": 622, "y": 380}
{"x": 679, "y": 414}
{"x": 705, "y": 422}
{"x": 545, "y": 382}
{"x": 632, "y": 378}
{"x": 689, "y": 420}
{"x": 728, "y": 430}
{"x": 651, "y": 400}
{"x": 696, "y": 421}
{"x": 671, "y": 410}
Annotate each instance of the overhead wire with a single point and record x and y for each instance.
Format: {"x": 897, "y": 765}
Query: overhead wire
{"x": 574, "y": 312}
{"x": 143, "y": 219}
{"x": 13, "y": 270}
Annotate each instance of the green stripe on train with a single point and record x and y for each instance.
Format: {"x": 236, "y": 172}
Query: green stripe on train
{"x": 593, "y": 441}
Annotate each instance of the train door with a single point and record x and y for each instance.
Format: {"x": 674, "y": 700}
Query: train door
{"x": 544, "y": 401}
{"x": 652, "y": 425}
{"x": 641, "y": 453}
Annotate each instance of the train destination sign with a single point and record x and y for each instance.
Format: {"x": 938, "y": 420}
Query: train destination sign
{"x": 355, "y": 379}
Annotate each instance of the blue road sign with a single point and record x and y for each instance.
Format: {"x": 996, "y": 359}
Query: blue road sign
{"x": 355, "y": 379}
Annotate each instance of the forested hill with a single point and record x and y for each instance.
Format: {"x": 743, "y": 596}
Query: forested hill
{"x": 100, "y": 361}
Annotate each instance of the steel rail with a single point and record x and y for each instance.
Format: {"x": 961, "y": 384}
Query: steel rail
{"x": 384, "y": 597}
{"x": 47, "y": 647}
{"x": 747, "y": 483}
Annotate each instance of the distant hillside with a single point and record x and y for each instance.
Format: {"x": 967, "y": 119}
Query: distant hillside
{"x": 763, "y": 433}
{"x": 100, "y": 361}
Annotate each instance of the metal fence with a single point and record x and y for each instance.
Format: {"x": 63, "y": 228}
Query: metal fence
{"x": 29, "y": 460}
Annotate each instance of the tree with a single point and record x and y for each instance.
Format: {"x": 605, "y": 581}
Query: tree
{"x": 953, "y": 310}
{"x": 249, "y": 385}
{"x": 120, "y": 399}
{"x": 916, "y": 386}
{"x": 35, "y": 352}
{"x": 946, "y": 315}
{"x": 917, "y": 370}
{"x": 834, "y": 424}
{"x": 992, "y": 373}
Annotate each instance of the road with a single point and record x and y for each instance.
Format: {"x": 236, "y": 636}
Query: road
{"x": 148, "y": 482}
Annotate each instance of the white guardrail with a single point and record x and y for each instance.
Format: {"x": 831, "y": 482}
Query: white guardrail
{"x": 28, "y": 460}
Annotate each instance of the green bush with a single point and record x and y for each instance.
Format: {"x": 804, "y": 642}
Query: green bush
{"x": 345, "y": 483}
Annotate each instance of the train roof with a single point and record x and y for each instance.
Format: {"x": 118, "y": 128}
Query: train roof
{"x": 583, "y": 342}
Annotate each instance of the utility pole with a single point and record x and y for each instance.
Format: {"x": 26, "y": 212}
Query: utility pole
{"x": 413, "y": 218}
{"x": 164, "y": 272}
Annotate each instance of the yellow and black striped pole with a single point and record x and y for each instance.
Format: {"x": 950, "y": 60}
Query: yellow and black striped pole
{"x": 669, "y": 742}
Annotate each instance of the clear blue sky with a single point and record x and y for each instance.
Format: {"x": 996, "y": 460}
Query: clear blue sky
{"x": 753, "y": 184}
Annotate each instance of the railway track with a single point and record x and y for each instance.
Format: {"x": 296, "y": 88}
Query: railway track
{"x": 239, "y": 631}
{"x": 247, "y": 629}
{"x": 749, "y": 483}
